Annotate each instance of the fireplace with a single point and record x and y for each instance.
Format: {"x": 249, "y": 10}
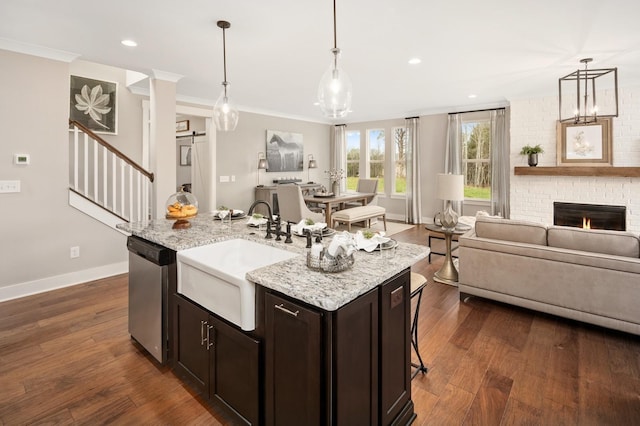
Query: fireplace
{"x": 594, "y": 216}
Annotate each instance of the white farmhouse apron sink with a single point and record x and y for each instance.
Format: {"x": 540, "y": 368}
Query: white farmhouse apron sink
{"x": 214, "y": 277}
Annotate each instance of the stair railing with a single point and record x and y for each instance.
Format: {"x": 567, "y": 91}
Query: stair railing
{"x": 105, "y": 176}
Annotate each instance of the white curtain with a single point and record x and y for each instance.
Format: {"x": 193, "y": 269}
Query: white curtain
{"x": 338, "y": 151}
{"x": 500, "y": 164}
{"x": 413, "y": 209}
{"x": 453, "y": 155}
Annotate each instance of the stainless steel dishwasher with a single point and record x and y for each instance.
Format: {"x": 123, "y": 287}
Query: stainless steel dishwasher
{"x": 149, "y": 276}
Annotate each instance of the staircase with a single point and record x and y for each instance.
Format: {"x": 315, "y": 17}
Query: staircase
{"x": 104, "y": 183}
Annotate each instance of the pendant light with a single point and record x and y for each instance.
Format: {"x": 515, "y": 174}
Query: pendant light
{"x": 225, "y": 114}
{"x": 335, "y": 90}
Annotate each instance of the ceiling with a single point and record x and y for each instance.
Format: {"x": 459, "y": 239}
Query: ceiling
{"x": 277, "y": 50}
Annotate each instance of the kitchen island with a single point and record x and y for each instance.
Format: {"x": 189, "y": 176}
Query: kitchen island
{"x": 328, "y": 348}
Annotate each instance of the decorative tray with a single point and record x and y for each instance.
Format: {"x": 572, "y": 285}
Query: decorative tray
{"x": 323, "y": 194}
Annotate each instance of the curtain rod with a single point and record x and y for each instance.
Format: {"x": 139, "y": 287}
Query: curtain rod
{"x": 477, "y": 110}
{"x": 411, "y": 118}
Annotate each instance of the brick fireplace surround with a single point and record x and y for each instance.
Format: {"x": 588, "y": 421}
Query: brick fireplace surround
{"x": 533, "y": 121}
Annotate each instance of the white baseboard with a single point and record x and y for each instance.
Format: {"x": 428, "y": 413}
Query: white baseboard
{"x": 28, "y": 288}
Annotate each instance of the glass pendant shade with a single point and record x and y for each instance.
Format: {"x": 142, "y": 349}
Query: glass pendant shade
{"x": 335, "y": 90}
{"x": 225, "y": 114}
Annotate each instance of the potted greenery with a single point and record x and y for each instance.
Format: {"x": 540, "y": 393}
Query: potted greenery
{"x": 532, "y": 153}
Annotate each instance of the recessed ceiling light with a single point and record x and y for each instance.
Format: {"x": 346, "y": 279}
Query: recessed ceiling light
{"x": 472, "y": 96}
{"x": 415, "y": 61}
{"x": 129, "y": 43}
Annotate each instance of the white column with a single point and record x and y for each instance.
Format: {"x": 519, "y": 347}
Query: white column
{"x": 162, "y": 148}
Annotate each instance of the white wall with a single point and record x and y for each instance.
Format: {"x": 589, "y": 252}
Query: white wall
{"x": 237, "y": 155}
{"x": 533, "y": 121}
{"x": 38, "y": 226}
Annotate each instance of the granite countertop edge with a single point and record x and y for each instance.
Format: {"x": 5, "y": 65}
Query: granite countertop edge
{"x": 328, "y": 291}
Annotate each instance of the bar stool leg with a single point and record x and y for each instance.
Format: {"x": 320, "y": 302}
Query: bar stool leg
{"x": 418, "y": 284}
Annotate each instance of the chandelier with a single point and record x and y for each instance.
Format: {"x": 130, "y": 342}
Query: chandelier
{"x": 582, "y": 101}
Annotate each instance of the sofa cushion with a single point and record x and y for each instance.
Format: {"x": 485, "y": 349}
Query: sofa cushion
{"x": 518, "y": 231}
{"x": 617, "y": 243}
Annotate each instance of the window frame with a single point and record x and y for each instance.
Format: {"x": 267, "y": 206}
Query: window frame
{"x": 465, "y": 162}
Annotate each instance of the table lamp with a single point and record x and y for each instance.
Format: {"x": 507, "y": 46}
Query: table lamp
{"x": 312, "y": 165}
{"x": 450, "y": 188}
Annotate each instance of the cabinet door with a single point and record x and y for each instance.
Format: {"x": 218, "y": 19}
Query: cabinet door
{"x": 191, "y": 357}
{"x": 355, "y": 358}
{"x": 235, "y": 370}
{"x": 395, "y": 344}
{"x": 293, "y": 360}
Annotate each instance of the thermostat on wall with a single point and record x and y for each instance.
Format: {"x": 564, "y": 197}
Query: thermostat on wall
{"x": 21, "y": 159}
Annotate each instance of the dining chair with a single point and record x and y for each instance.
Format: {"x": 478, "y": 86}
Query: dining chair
{"x": 292, "y": 205}
{"x": 366, "y": 185}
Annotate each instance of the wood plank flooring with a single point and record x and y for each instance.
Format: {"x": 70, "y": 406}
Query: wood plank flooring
{"x": 66, "y": 358}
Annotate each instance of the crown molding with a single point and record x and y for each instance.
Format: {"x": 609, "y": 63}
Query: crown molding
{"x": 165, "y": 75}
{"x": 35, "y": 50}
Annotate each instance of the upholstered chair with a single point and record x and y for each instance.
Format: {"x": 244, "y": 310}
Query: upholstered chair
{"x": 292, "y": 206}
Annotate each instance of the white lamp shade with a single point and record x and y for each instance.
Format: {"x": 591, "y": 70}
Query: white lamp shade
{"x": 450, "y": 187}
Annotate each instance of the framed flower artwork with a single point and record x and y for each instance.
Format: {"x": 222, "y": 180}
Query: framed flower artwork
{"x": 588, "y": 144}
{"x": 93, "y": 103}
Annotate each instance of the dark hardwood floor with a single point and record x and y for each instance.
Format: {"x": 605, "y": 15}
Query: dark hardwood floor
{"x": 66, "y": 358}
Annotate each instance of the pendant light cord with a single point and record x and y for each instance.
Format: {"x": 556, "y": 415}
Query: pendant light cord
{"x": 335, "y": 32}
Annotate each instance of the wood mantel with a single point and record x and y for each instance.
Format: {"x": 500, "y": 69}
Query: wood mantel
{"x": 579, "y": 171}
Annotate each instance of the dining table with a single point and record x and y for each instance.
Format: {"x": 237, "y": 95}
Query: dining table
{"x": 337, "y": 201}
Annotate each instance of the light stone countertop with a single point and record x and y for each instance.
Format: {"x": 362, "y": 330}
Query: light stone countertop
{"x": 328, "y": 291}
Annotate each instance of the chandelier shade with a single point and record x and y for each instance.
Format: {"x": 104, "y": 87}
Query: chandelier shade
{"x": 225, "y": 114}
{"x": 588, "y": 94}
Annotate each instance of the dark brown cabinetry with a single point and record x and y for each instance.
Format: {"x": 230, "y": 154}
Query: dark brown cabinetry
{"x": 349, "y": 366}
{"x": 218, "y": 360}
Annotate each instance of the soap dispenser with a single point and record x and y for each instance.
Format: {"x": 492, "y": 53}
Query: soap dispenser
{"x": 315, "y": 254}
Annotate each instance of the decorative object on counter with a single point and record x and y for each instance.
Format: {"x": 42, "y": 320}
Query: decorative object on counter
{"x": 369, "y": 240}
{"x": 450, "y": 188}
{"x": 180, "y": 207}
{"x": 223, "y": 212}
{"x": 262, "y": 165}
{"x": 581, "y": 108}
{"x": 532, "y": 154}
{"x": 337, "y": 257}
{"x": 335, "y": 90}
{"x": 335, "y": 176}
{"x": 225, "y": 114}
{"x": 312, "y": 165}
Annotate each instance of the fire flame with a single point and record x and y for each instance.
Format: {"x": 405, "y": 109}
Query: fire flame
{"x": 586, "y": 223}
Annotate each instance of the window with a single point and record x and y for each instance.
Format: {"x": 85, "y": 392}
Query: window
{"x": 399, "y": 160}
{"x": 353, "y": 159}
{"x": 476, "y": 159}
{"x": 376, "y": 145}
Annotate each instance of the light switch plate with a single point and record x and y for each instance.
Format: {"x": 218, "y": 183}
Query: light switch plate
{"x": 8, "y": 186}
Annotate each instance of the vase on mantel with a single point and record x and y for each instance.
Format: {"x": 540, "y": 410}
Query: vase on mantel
{"x": 533, "y": 160}
{"x": 335, "y": 188}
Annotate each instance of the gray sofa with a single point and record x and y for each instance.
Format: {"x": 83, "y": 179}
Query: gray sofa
{"x": 586, "y": 275}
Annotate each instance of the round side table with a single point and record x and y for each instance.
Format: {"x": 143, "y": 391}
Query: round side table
{"x": 448, "y": 273}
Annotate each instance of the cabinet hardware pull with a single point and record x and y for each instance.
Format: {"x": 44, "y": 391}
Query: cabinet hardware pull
{"x": 209, "y": 342}
{"x": 202, "y": 338}
{"x": 283, "y": 309}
